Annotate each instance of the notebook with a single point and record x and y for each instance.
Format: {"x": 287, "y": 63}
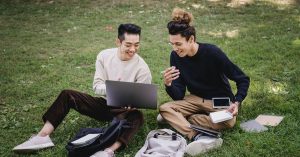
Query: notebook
{"x": 269, "y": 120}
{"x": 220, "y": 116}
{"x": 137, "y": 95}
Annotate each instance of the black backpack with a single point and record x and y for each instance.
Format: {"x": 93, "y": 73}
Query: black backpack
{"x": 108, "y": 136}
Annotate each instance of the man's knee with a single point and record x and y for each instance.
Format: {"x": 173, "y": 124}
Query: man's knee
{"x": 165, "y": 107}
{"x": 224, "y": 125}
{"x": 192, "y": 118}
{"x": 135, "y": 115}
{"x": 231, "y": 123}
{"x": 66, "y": 92}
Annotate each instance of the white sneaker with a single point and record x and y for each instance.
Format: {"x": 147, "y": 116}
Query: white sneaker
{"x": 33, "y": 144}
{"x": 160, "y": 119}
{"x": 105, "y": 153}
{"x": 203, "y": 144}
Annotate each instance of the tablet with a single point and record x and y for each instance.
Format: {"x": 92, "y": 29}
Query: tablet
{"x": 221, "y": 102}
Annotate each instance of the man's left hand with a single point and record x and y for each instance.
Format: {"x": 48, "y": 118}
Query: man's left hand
{"x": 234, "y": 108}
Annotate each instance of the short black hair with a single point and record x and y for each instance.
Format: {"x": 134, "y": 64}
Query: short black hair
{"x": 129, "y": 29}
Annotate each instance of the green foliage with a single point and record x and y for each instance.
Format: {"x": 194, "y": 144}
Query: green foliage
{"x": 47, "y": 46}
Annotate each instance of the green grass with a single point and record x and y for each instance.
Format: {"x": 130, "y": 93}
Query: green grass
{"x": 47, "y": 46}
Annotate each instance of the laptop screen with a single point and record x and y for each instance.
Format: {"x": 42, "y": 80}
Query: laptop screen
{"x": 137, "y": 95}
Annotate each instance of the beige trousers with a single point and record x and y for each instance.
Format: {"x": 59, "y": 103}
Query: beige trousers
{"x": 191, "y": 110}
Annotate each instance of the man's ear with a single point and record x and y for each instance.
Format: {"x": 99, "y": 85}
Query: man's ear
{"x": 192, "y": 39}
{"x": 118, "y": 42}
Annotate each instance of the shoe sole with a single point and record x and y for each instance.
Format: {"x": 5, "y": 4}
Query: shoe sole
{"x": 161, "y": 120}
{"x": 34, "y": 148}
{"x": 196, "y": 148}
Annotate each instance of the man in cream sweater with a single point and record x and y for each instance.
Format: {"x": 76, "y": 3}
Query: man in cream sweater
{"x": 119, "y": 64}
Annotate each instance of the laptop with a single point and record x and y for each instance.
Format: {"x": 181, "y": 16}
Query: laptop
{"x": 206, "y": 131}
{"x": 136, "y": 95}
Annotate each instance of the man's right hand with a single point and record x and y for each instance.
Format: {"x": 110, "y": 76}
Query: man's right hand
{"x": 170, "y": 74}
{"x": 128, "y": 107}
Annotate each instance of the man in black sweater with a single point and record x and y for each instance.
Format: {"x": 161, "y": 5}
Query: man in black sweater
{"x": 204, "y": 70}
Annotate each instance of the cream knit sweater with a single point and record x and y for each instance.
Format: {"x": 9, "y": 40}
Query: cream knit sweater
{"x": 110, "y": 67}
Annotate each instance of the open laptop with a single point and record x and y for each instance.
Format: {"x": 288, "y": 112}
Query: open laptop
{"x": 137, "y": 95}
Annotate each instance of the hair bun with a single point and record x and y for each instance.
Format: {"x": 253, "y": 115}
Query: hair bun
{"x": 181, "y": 16}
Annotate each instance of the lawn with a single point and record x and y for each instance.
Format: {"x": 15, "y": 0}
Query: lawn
{"x": 50, "y": 45}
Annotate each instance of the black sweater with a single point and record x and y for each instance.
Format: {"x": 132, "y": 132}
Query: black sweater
{"x": 206, "y": 75}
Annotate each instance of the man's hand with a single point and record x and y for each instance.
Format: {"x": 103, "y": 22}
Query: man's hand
{"x": 234, "y": 108}
{"x": 129, "y": 108}
{"x": 170, "y": 74}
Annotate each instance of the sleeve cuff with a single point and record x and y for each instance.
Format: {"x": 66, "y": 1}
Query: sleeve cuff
{"x": 239, "y": 99}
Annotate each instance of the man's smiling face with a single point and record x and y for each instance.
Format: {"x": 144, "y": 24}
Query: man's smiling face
{"x": 129, "y": 46}
{"x": 180, "y": 45}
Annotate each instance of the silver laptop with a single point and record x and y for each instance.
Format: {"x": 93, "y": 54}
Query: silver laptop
{"x": 137, "y": 95}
